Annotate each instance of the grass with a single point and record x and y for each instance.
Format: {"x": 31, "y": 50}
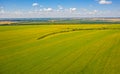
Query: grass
{"x": 65, "y": 49}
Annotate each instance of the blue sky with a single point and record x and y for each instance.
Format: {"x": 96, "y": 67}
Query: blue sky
{"x": 59, "y": 8}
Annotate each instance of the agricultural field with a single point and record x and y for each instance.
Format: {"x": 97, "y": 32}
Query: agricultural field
{"x": 60, "y": 49}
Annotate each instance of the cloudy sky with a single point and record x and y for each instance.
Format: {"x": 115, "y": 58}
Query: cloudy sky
{"x": 59, "y": 8}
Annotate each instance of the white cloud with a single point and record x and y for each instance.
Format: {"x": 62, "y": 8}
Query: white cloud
{"x": 67, "y": 13}
{"x": 50, "y": 12}
{"x": 73, "y": 9}
{"x": 84, "y": 9}
{"x": 41, "y": 10}
{"x": 18, "y": 12}
{"x": 48, "y": 9}
{"x": 35, "y": 4}
{"x": 105, "y": 2}
{"x": 60, "y": 7}
{"x": 93, "y": 12}
{"x": 2, "y": 10}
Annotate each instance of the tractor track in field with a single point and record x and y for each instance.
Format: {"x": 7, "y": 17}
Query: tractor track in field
{"x": 73, "y": 30}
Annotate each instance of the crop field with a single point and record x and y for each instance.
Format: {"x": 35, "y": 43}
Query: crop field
{"x": 60, "y": 49}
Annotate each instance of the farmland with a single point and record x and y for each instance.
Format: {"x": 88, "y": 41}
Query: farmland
{"x": 60, "y": 49}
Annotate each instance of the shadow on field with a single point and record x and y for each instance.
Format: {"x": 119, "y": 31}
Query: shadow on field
{"x": 75, "y": 29}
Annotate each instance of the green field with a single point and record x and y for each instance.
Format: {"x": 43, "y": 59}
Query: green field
{"x": 60, "y": 49}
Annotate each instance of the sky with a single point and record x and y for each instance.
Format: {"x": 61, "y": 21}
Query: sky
{"x": 59, "y": 8}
